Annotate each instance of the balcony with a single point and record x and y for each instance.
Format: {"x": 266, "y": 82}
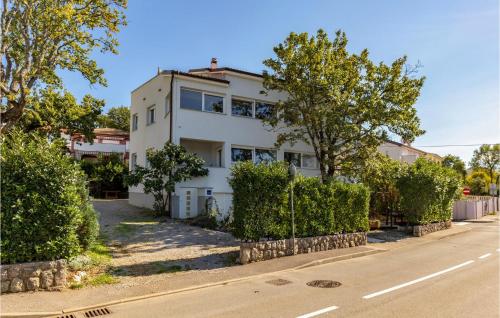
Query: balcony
{"x": 212, "y": 152}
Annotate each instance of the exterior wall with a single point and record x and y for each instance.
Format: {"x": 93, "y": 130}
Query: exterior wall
{"x": 33, "y": 276}
{"x": 205, "y": 131}
{"x": 400, "y": 153}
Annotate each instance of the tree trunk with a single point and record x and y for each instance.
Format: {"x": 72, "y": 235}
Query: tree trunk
{"x": 11, "y": 116}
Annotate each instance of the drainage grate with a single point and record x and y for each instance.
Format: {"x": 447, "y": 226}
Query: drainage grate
{"x": 324, "y": 283}
{"x": 278, "y": 282}
{"x": 97, "y": 312}
{"x": 66, "y": 316}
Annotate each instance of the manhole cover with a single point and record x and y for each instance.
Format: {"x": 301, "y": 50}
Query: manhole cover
{"x": 324, "y": 283}
{"x": 278, "y": 282}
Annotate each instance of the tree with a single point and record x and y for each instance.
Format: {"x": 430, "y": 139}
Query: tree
{"x": 50, "y": 111}
{"x": 342, "y": 104}
{"x": 166, "y": 167}
{"x": 478, "y": 181}
{"x": 40, "y": 37}
{"x": 455, "y": 163}
{"x": 106, "y": 174}
{"x": 487, "y": 157}
{"x": 117, "y": 117}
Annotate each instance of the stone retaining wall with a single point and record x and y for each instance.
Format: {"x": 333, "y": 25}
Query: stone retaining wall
{"x": 421, "y": 230}
{"x": 260, "y": 251}
{"x": 33, "y": 276}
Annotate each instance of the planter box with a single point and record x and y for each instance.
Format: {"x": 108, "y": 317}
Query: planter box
{"x": 260, "y": 251}
{"x": 421, "y": 230}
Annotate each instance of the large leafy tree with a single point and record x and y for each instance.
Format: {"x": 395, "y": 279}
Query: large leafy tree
{"x": 117, "y": 117}
{"x": 50, "y": 111}
{"x": 455, "y": 163}
{"x": 166, "y": 167}
{"x": 342, "y": 104}
{"x": 487, "y": 157}
{"x": 40, "y": 37}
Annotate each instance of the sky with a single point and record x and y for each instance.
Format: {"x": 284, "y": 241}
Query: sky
{"x": 455, "y": 41}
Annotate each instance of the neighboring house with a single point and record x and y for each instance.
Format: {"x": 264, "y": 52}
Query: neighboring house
{"x": 406, "y": 153}
{"x": 215, "y": 113}
{"x": 106, "y": 141}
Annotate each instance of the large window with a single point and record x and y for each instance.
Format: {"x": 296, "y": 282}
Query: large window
{"x": 151, "y": 115}
{"x": 263, "y": 110}
{"x": 214, "y": 103}
{"x": 293, "y": 157}
{"x": 264, "y": 155}
{"x": 135, "y": 121}
{"x": 309, "y": 161}
{"x": 241, "y": 154}
{"x": 241, "y": 108}
{"x": 191, "y": 99}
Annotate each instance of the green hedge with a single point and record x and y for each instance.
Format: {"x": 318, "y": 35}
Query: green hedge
{"x": 428, "y": 191}
{"x": 261, "y": 204}
{"x": 46, "y": 214}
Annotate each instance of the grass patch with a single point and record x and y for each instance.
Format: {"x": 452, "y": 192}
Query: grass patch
{"x": 102, "y": 279}
{"x": 99, "y": 254}
{"x": 127, "y": 228}
{"x": 76, "y": 286}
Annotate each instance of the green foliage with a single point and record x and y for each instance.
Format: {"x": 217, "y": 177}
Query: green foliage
{"x": 487, "y": 157}
{"x": 50, "y": 111}
{"x": 46, "y": 213}
{"x": 455, "y": 163}
{"x": 380, "y": 173}
{"x": 342, "y": 104}
{"x": 427, "y": 192}
{"x": 262, "y": 208}
{"x": 167, "y": 167}
{"x": 108, "y": 173}
{"x": 39, "y": 38}
{"x": 117, "y": 117}
{"x": 479, "y": 182}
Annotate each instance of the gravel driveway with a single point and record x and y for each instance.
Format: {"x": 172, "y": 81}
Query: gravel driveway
{"x": 142, "y": 244}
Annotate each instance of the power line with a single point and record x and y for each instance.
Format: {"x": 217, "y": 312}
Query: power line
{"x": 468, "y": 145}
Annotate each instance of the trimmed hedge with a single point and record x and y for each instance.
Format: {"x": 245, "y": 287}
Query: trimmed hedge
{"x": 428, "y": 191}
{"x": 46, "y": 213}
{"x": 261, "y": 207}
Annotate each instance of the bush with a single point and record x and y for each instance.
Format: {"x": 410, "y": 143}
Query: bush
{"x": 479, "y": 182}
{"x": 46, "y": 214}
{"x": 106, "y": 174}
{"x": 427, "y": 192}
{"x": 261, "y": 204}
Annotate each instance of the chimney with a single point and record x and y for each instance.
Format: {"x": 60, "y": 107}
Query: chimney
{"x": 213, "y": 64}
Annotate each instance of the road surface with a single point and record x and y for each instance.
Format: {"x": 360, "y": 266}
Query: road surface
{"x": 457, "y": 276}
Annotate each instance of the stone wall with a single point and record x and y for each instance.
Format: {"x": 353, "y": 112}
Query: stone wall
{"x": 33, "y": 276}
{"x": 260, "y": 251}
{"x": 421, "y": 230}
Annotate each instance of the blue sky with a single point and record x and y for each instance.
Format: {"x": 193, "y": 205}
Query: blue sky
{"x": 457, "y": 42}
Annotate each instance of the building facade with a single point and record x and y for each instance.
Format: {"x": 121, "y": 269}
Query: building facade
{"x": 216, "y": 113}
{"x": 107, "y": 141}
{"x": 406, "y": 153}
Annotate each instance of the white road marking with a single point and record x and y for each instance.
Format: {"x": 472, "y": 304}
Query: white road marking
{"x": 388, "y": 290}
{"x": 484, "y": 256}
{"x": 318, "y": 312}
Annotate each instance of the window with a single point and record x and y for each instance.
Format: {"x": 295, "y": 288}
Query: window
{"x": 309, "y": 161}
{"x": 133, "y": 161}
{"x": 214, "y": 103}
{"x": 263, "y": 110}
{"x": 135, "y": 121}
{"x": 151, "y": 115}
{"x": 293, "y": 157}
{"x": 191, "y": 99}
{"x": 241, "y": 108}
{"x": 264, "y": 155}
{"x": 241, "y": 154}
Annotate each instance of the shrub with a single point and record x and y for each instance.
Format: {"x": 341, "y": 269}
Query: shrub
{"x": 108, "y": 173}
{"x": 46, "y": 213}
{"x": 427, "y": 192}
{"x": 262, "y": 208}
{"x": 478, "y": 181}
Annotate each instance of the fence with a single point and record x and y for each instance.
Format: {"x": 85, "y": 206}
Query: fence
{"x": 475, "y": 207}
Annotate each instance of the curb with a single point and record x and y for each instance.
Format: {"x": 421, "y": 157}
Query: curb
{"x": 465, "y": 230}
{"x": 177, "y": 291}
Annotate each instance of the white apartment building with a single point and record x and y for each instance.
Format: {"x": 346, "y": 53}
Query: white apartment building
{"x": 406, "y": 153}
{"x": 215, "y": 113}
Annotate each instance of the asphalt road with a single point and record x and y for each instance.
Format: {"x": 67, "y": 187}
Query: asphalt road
{"x": 456, "y": 276}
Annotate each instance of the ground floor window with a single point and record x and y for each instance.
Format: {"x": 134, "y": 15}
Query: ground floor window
{"x": 241, "y": 154}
